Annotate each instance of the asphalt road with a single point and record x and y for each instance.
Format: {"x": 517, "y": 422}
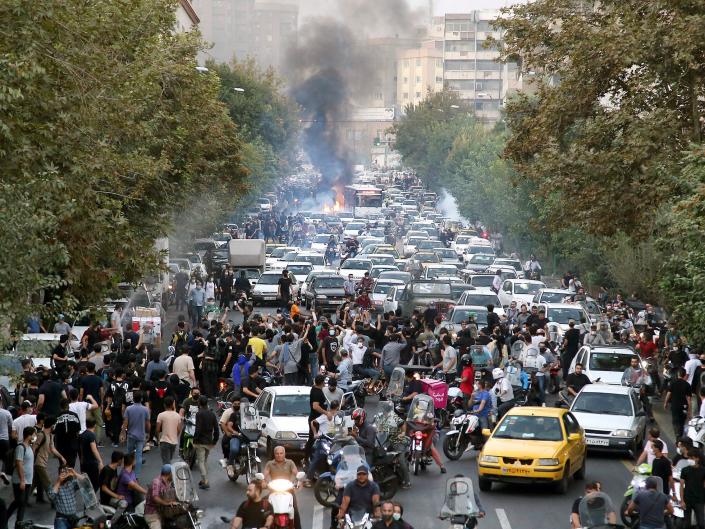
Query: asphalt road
{"x": 507, "y": 506}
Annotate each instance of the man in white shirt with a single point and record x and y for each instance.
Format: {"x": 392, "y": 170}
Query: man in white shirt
{"x": 25, "y": 419}
{"x": 647, "y": 455}
{"x": 504, "y": 392}
{"x": 357, "y": 353}
{"x": 81, "y": 408}
{"x": 690, "y": 366}
{"x": 497, "y": 281}
{"x": 184, "y": 369}
{"x": 321, "y": 425}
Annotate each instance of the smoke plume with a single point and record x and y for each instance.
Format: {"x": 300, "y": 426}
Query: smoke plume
{"x": 334, "y": 68}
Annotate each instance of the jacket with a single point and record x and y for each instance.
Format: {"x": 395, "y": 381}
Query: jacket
{"x": 206, "y": 428}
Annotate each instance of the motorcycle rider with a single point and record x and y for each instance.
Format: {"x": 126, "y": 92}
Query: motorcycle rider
{"x": 232, "y": 440}
{"x": 255, "y": 511}
{"x": 358, "y": 495}
{"x": 504, "y": 391}
{"x": 160, "y": 494}
{"x": 363, "y": 432}
{"x": 321, "y": 425}
{"x": 651, "y": 505}
{"x": 387, "y": 421}
{"x": 637, "y": 377}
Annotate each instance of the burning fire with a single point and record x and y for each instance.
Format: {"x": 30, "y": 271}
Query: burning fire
{"x": 334, "y": 208}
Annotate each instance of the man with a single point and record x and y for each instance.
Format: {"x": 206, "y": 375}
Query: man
{"x": 387, "y": 521}
{"x": 108, "y": 480}
{"x": 127, "y": 486}
{"x": 64, "y": 496}
{"x": 61, "y": 327}
{"x": 169, "y": 427}
{"x": 251, "y": 389}
{"x": 570, "y": 346}
{"x": 349, "y": 285}
{"x": 343, "y": 369}
{"x": 43, "y": 447}
{"x": 93, "y": 385}
{"x": 317, "y": 404}
{"x": 284, "y": 289}
{"x": 391, "y": 353}
{"x": 280, "y": 467}
{"x": 183, "y": 367}
{"x": 91, "y": 461}
{"x": 634, "y": 375}
{"x": 361, "y": 495}
{"x": 661, "y": 466}
{"x": 692, "y": 492}
{"x": 593, "y": 337}
{"x": 204, "y": 438}
{"x": 364, "y": 301}
{"x": 197, "y": 299}
{"x": 576, "y": 381}
{"x": 254, "y": 511}
{"x": 497, "y": 282}
{"x": 116, "y": 401}
{"x": 321, "y": 426}
{"x": 226, "y": 288}
{"x": 242, "y": 284}
{"x": 592, "y": 487}
{"x": 26, "y": 418}
{"x": 66, "y": 431}
{"x": 679, "y": 396}
{"x": 651, "y": 505}
{"x": 50, "y": 394}
{"x": 22, "y": 476}
{"x": 366, "y": 283}
{"x": 5, "y": 435}
{"x": 332, "y": 392}
{"x": 504, "y": 392}
{"x": 159, "y": 495}
{"x": 135, "y": 428}
{"x": 327, "y": 349}
{"x": 81, "y": 408}
{"x": 648, "y": 454}
{"x": 363, "y": 432}
{"x": 449, "y": 358}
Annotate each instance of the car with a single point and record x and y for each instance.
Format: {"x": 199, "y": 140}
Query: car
{"x": 353, "y": 229}
{"x": 417, "y": 261}
{"x": 429, "y": 244}
{"x": 410, "y": 245}
{"x": 562, "y": 313}
{"x": 478, "y": 281}
{"x": 380, "y": 290}
{"x": 319, "y": 243}
{"x": 519, "y": 290}
{"x": 264, "y": 204}
{"x": 379, "y": 248}
{"x": 277, "y": 254}
{"x": 355, "y": 266}
{"x": 267, "y": 287}
{"x": 376, "y": 270}
{"x": 550, "y": 295}
{"x": 391, "y": 302}
{"x": 314, "y": 273}
{"x": 282, "y": 416}
{"x": 478, "y": 248}
{"x": 440, "y": 271}
{"x": 184, "y": 264}
{"x": 514, "y": 263}
{"x": 38, "y": 344}
{"x": 448, "y": 255}
{"x": 419, "y": 294}
{"x": 325, "y": 291}
{"x": 505, "y": 272}
{"x": 197, "y": 265}
{"x": 405, "y": 277}
{"x": 533, "y": 445}
{"x": 612, "y": 417}
{"x": 317, "y": 260}
{"x": 381, "y": 258}
{"x": 460, "y": 313}
{"x": 300, "y": 270}
{"x": 479, "y": 262}
{"x": 604, "y": 363}
{"x": 481, "y": 298}
{"x": 221, "y": 240}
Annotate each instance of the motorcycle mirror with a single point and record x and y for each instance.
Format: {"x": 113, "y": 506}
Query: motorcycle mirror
{"x": 301, "y": 476}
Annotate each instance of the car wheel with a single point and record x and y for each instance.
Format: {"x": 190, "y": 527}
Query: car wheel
{"x": 562, "y": 484}
{"x": 484, "y": 484}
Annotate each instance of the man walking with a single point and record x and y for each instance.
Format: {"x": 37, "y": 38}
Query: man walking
{"x": 679, "y": 396}
{"x": 204, "y": 438}
{"x": 198, "y": 301}
{"x": 168, "y": 430}
{"x": 135, "y": 428}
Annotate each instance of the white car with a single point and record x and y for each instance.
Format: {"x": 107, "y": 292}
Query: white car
{"x": 404, "y": 277}
{"x": 478, "y": 281}
{"x": 266, "y": 289}
{"x": 514, "y": 263}
{"x": 381, "y": 289}
{"x": 461, "y": 313}
{"x": 300, "y": 270}
{"x": 352, "y": 229}
{"x": 276, "y": 255}
{"x": 550, "y": 295}
{"x": 317, "y": 260}
{"x": 440, "y": 271}
{"x": 519, "y": 290}
{"x": 605, "y": 363}
{"x": 391, "y": 302}
{"x": 411, "y": 243}
{"x": 478, "y": 248}
{"x": 481, "y": 298}
{"x": 320, "y": 242}
{"x": 39, "y": 344}
{"x": 355, "y": 266}
{"x": 281, "y": 414}
{"x": 613, "y": 417}
{"x": 264, "y": 204}
{"x": 376, "y": 270}
{"x": 381, "y": 259}
{"x": 562, "y": 313}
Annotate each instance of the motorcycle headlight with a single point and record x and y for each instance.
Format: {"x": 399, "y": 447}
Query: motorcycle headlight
{"x": 549, "y": 462}
{"x": 286, "y": 436}
{"x": 623, "y": 433}
{"x": 490, "y": 459}
{"x": 200, "y": 513}
{"x": 253, "y": 444}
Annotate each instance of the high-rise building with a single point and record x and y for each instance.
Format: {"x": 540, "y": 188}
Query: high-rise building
{"x": 471, "y": 65}
{"x": 419, "y": 71}
{"x": 274, "y": 32}
{"x": 186, "y": 17}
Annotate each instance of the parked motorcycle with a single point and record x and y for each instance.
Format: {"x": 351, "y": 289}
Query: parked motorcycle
{"x": 459, "y": 506}
{"x": 465, "y": 433}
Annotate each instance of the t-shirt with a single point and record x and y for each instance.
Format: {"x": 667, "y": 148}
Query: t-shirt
{"x": 136, "y": 415}
{"x": 333, "y": 395}
{"x": 652, "y": 504}
{"x": 661, "y": 467}
{"x": 254, "y": 513}
{"x": 52, "y": 397}
{"x": 358, "y": 353}
{"x": 182, "y": 365}
{"x": 448, "y": 356}
{"x": 345, "y": 369}
{"x": 577, "y": 381}
{"x": 693, "y": 478}
{"x": 123, "y": 486}
{"x": 87, "y": 456}
{"x": 391, "y": 353}
{"x": 26, "y": 456}
{"x": 170, "y": 421}
{"x": 478, "y": 398}
{"x": 22, "y": 422}
{"x": 44, "y": 444}
{"x": 361, "y": 495}
{"x": 650, "y": 451}
{"x": 66, "y": 432}
{"x": 109, "y": 477}
{"x": 330, "y": 347}
{"x": 80, "y": 409}
{"x": 258, "y": 346}
{"x": 285, "y": 470}
{"x": 284, "y": 287}
{"x": 91, "y": 385}
{"x": 680, "y": 391}
{"x": 316, "y": 395}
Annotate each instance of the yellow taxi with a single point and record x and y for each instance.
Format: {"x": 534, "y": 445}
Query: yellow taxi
{"x": 533, "y": 445}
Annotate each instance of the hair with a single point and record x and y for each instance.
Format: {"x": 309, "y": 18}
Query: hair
{"x": 401, "y": 507}
{"x": 73, "y": 394}
{"x": 203, "y": 401}
{"x": 320, "y": 379}
{"x": 654, "y": 432}
{"x": 129, "y": 459}
{"x": 29, "y": 431}
{"x": 64, "y": 404}
{"x": 49, "y": 421}
{"x": 334, "y": 404}
{"x": 592, "y": 485}
{"x": 387, "y": 502}
{"x": 681, "y": 372}
{"x": 253, "y": 369}
{"x": 90, "y": 422}
{"x": 137, "y": 397}
{"x": 578, "y": 364}
{"x": 657, "y": 444}
{"x": 168, "y": 402}
{"x": 117, "y": 456}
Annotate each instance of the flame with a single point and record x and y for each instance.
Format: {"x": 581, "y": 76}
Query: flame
{"x": 337, "y": 206}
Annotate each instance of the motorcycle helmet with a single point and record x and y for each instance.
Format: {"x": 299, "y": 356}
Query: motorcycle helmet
{"x": 359, "y": 414}
{"x": 465, "y": 360}
{"x": 497, "y": 373}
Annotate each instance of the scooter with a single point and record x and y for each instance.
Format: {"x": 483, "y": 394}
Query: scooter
{"x": 594, "y": 510}
{"x": 465, "y": 434}
{"x": 357, "y": 520}
{"x": 638, "y": 482}
{"x": 281, "y": 498}
{"x": 459, "y": 506}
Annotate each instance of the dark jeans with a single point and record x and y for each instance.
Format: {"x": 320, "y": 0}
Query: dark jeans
{"x": 699, "y": 510}
{"x": 91, "y": 469}
{"x": 20, "y": 502}
{"x": 5, "y": 453}
{"x": 678, "y": 418}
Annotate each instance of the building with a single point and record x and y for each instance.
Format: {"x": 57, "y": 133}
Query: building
{"x": 186, "y": 17}
{"x": 471, "y": 64}
{"x": 363, "y": 129}
{"x": 419, "y": 71}
{"x": 240, "y": 29}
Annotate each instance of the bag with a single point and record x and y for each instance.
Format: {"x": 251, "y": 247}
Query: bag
{"x": 119, "y": 391}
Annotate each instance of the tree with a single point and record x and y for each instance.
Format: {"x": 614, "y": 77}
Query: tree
{"x": 107, "y": 128}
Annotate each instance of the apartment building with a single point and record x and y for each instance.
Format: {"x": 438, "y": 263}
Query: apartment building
{"x": 419, "y": 71}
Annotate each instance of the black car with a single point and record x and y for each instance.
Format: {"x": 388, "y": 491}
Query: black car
{"x": 325, "y": 292}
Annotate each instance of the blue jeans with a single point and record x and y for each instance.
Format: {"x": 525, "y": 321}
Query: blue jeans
{"x": 366, "y": 372}
{"x": 313, "y": 363}
{"x": 61, "y": 522}
{"x": 197, "y": 314}
{"x": 136, "y": 446}
{"x": 541, "y": 381}
{"x": 388, "y": 370}
{"x": 234, "y": 450}
{"x": 316, "y": 458}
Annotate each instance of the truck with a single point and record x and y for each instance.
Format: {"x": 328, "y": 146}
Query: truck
{"x": 247, "y": 254}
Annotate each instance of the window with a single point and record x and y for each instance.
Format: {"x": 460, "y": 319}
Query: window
{"x": 571, "y": 424}
{"x": 484, "y": 25}
{"x": 484, "y": 45}
{"x": 488, "y": 66}
{"x": 406, "y": 95}
{"x": 461, "y": 46}
{"x": 461, "y": 84}
{"x": 439, "y": 63}
{"x": 460, "y": 65}
{"x": 418, "y": 62}
{"x": 418, "y": 94}
{"x": 406, "y": 80}
{"x": 487, "y": 105}
{"x": 439, "y": 78}
{"x": 418, "y": 78}
{"x": 378, "y": 95}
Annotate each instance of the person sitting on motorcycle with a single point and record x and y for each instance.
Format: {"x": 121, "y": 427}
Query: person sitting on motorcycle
{"x": 160, "y": 496}
{"x": 360, "y": 495}
{"x": 255, "y": 511}
{"x": 423, "y": 422}
{"x": 504, "y": 391}
{"x": 363, "y": 432}
{"x": 388, "y": 521}
{"x": 387, "y": 421}
{"x": 412, "y": 387}
{"x": 467, "y": 378}
{"x": 366, "y": 283}
{"x": 321, "y": 425}
{"x": 482, "y": 404}
{"x": 575, "y": 381}
{"x": 232, "y": 437}
{"x": 634, "y": 375}
{"x": 242, "y": 284}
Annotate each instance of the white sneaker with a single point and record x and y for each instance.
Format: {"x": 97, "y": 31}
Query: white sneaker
{"x": 223, "y": 462}
{"x": 231, "y": 471}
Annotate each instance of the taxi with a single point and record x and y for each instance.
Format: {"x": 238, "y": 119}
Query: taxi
{"x": 533, "y": 445}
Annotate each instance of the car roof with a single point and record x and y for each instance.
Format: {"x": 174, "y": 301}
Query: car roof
{"x": 555, "y": 291}
{"x": 515, "y": 280}
{"x": 288, "y": 390}
{"x": 479, "y": 308}
{"x": 606, "y": 388}
{"x": 537, "y": 411}
{"x": 389, "y": 281}
{"x": 562, "y": 306}
{"x": 41, "y": 337}
{"x": 273, "y": 272}
{"x": 612, "y": 349}
{"x": 378, "y": 255}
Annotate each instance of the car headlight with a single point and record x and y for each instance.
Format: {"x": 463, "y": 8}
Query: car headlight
{"x": 490, "y": 459}
{"x": 623, "y": 433}
{"x": 286, "y": 436}
{"x": 549, "y": 462}
{"x": 321, "y": 296}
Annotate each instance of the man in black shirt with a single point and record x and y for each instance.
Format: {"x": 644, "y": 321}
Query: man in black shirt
{"x": 692, "y": 490}
{"x": 576, "y": 381}
{"x": 571, "y": 344}
{"x": 254, "y": 511}
{"x": 679, "y": 395}
{"x": 284, "y": 289}
{"x": 251, "y": 389}
{"x": 50, "y": 394}
{"x": 661, "y": 466}
{"x": 66, "y": 431}
{"x": 318, "y": 403}
{"x": 492, "y": 318}
{"x": 108, "y": 480}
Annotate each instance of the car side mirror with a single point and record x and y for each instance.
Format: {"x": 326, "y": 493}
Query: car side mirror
{"x": 574, "y": 437}
{"x": 486, "y": 432}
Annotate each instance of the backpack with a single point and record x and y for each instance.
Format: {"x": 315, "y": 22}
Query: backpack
{"x": 178, "y": 340}
{"x": 119, "y": 391}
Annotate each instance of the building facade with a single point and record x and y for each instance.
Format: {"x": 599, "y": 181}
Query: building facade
{"x": 419, "y": 71}
{"x": 186, "y": 17}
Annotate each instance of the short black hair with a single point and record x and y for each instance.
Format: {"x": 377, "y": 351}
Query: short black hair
{"x": 117, "y": 456}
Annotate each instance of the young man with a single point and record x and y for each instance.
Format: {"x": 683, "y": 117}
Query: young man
{"x": 91, "y": 461}
{"x": 127, "y": 486}
{"x": 254, "y": 511}
{"x": 93, "y": 385}
{"x": 108, "y": 481}
{"x": 159, "y": 496}
{"x": 66, "y": 431}
{"x": 135, "y": 428}
{"x": 23, "y": 475}
{"x": 321, "y": 425}
{"x": 204, "y": 438}
{"x": 692, "y": 492}
{"x": 169, "y": 425}
{"x": 81, "y": 408}
{"x": 43, "y": 447}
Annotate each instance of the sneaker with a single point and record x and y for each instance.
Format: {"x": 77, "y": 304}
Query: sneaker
{"x": 406, "y": 486}
{"x": 307, "y": 483}
{"x": 231, "y": 471}
{"x": 223, "y": 462}
{"x": 444, "y": 470}
{"x": 204, "y": 486}
{"x": 5, "y": 479}
{"x": 147, "y": 448}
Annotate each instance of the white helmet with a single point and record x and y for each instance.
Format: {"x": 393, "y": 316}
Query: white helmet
{"x": 497, "y": 373}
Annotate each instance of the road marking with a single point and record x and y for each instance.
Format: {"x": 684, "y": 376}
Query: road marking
{"x": 317, "y": 517}
{"x": 503, "y": 520}
{"x": 629, "y": 464}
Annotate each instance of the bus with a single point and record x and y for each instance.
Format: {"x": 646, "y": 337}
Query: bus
{"x": 364, "y": 200}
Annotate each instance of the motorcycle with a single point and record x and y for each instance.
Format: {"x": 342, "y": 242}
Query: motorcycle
{"x": 281, "y": 499}
{"x": 395, "y": 386}
{"x": 638, "y": 483}
{"x": 357, "y": 520}
{"x": 465, "y": 433}
{"x": 187, "y": 449}
{"x": 385, "y": 467}
{"x": 343, "y": 465}
{"x": 247, "y": 462}
{"x": 420, "y": 427}
{"x": 459, "y": 506}
{"x": 594, "y": 510}
{"x": 696, "y": 431}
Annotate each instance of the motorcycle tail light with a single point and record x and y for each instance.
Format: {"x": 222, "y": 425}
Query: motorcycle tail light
{"x": 418, "y": 435}
{"x": 282, "y": 520}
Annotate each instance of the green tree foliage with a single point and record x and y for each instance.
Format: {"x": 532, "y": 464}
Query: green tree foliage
{"x": 106, "y": 129}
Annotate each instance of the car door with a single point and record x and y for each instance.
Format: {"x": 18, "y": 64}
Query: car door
{"x": 639, "y": 419}
{"x": 263, "y": 406}
{"x": 389, "y": 300}
{"x": 505, "y": 293}
{"x": 580, "y": 358}
{"x": 576, "y": 448}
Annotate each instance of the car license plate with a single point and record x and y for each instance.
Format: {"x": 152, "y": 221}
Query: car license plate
{"x": 595, "y": 441}
{"x": 269, "y": 298}
{"x": 516, "y": 470}
{"x": 336, "y": 302}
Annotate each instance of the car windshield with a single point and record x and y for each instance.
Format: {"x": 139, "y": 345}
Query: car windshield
{"x": 563, "y": 315}
{"x": 351, "y": 264}
{"x": 610, "y": 361}
{"x": 553, "y": 297}
{"x": 269, "y": 279}
{"x": 527, "y": 288}
{"x": 426, "y": 257}
{"x": 382, "y": 259}
{"x": 321, "y": 238}
{"x": 446, "y": 253}
{"x": 460, "y": 315}
{"x": 291, "y": 406}
{"x": 462, "y": 240}
{"x": 441, "y": 272}
{"x": 603, "y": 403}
{"x": 278, "y": 252}
{"x": 481, "y": 259}
{"x": 299, "y": 269}
{"x": 529, "y": 427}
{"x": 356, "y": 226}
{"x": 482, "y": 281}
{"x": 509, "y": 262}
{"x": 313, "y": 259}
{"x": 434, "y": 289}
{"x": 39, "y": 348}
{"x": 485, "y": 250}
{"x": 477, "y": 298}
{"x": 382, "y": 288}
{"x": 290, "y": 256}
{"x": 416, "y": 240}
{"x": 330, "y": 282}
{"x": 402, "y": 276}
{"x": 428, "y": 244}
